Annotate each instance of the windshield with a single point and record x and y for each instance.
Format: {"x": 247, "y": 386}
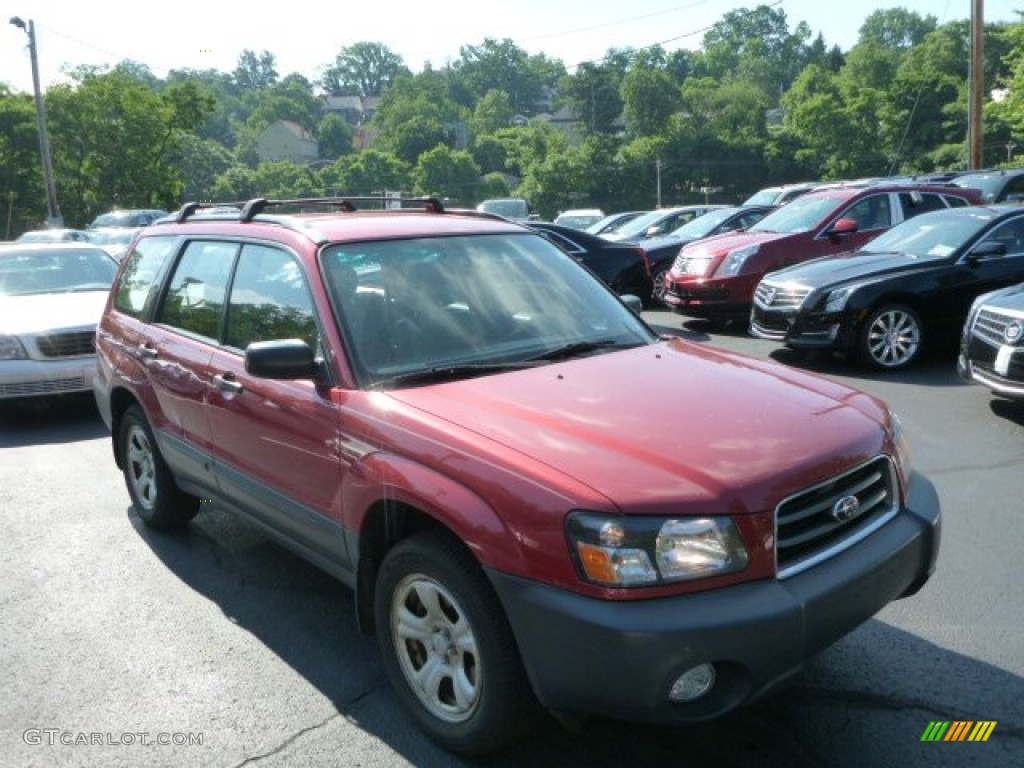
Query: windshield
{"x": 702, "y": 226}
{"x": 801, "y": 215}
{"x": 473, "y": 304}
{"x": 115, "y": 236}
{"x": 641, "y": 223}
{"x": 934, "y": 235}
{"x": 510, "y": 209}
{"x": 989, "y": 184}
{"x": 764, "y": 197}
{"x": 30, "y": 272}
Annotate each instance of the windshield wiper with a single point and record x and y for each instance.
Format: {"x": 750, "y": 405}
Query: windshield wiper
{"x": 449, "y": 373}
{"x": 583, "y": 347}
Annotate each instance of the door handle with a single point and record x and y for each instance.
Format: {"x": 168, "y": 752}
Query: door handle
{"x": 226, "y": 382}
{"x": 147, "y": 351}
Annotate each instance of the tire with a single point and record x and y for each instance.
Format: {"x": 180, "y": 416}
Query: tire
{"x": 447, "y": 647}
{"x": 156, "y": 498}
{"x": 891, "y": 338}
{"x": 658, "y": 291}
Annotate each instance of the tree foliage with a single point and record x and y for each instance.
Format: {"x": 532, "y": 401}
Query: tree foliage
{"x": 363, "y": 69}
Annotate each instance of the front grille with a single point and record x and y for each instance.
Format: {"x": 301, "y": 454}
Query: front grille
{"x": 70, "y": 344}
{"x": 1014, "y": 371}
{"x": 812, "y": 526}
{"x": 769, "y": 324}
{"x": 990, "y": 326}
{"x": 49, "y": 387}
{"x": 780, "y": 296}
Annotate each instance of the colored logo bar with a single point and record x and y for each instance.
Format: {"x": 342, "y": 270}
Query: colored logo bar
{"x": 958, "y": 730}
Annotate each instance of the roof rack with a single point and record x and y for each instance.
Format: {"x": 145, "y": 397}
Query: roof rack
{"x": 248, "y": 210}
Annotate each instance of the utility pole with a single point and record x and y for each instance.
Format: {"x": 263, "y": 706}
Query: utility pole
{"x": 657, "y": 166}
{"x": 977, "y": 85}
{"x": 1010, "y": 146}
{"x": 54, "y": 219}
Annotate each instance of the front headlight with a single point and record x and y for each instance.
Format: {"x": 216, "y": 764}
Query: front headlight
{"x": 837, "y": 299}
{"x": 11, "y": 349}
{"x": 643, "y": 551}
{"x": 692, "y": 265}
{"x": 902, "y": 443}
{"x": 734, "y": 260}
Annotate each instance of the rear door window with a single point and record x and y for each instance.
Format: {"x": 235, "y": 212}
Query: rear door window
{"x": 195, "y": 296}
{"x": 144, "y": 271}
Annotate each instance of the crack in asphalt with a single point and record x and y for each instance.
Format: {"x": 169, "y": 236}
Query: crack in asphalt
{"x": 288, "y": 742}
{"x": 341, "y": 713}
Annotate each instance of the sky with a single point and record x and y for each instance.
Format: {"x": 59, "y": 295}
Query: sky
{"x": 165, "y": 36}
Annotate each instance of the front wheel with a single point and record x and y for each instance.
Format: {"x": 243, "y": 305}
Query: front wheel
{"x": 891, "y": 337}
{"x": 156, "y": 497}
{"x": 658, "y": 293}
{"x": 447, "y": 647}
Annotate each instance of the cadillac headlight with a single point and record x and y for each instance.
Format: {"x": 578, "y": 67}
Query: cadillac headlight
{"x": 837, "y": 299}
{"x": 734, "y": 260}
{"x": 643, "y": 551}
{"x": 692, "y": 265}
{"x": 11, "y": 349}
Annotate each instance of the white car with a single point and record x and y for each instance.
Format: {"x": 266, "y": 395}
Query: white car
{"x": 580, "y": 218}
{"x": 51, "y": 299}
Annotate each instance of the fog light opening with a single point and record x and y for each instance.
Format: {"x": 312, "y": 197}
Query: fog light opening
{"x": 693, "y": 684}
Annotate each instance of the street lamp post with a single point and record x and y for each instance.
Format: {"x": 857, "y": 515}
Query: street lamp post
{"x": 54, "y": 219}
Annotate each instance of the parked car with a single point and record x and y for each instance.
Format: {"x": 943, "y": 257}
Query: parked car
{"x": 511, "y": 208}
{"x": 53, "y": 236}
{"x": 115, "y": 240}
{"x": 992, "y": 343}
{"x": 524, "y": 485}
{"x": 134, "y": 217}
{"x": 715, "y": 279}
{"x": 776, "y": 196}
{"x": 612, "y": 222}
{"x": 996, "y": 186}
{"x": 657, "y": 223}
{"x": 623, "y": 266}
{"x": 51, "y": 298}
{"x": 662, "y": 251}
{"x": 580, "y": 218}
{"x": 906, "y": 289}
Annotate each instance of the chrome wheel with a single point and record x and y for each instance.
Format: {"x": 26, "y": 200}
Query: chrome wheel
{"x": 436, "y": 648}
{"x": 892, "y": 337}
{"x": 141, "y": 467}
{"x": 659, "y": 286}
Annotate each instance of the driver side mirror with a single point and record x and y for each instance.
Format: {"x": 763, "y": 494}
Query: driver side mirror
{"x": 985, "y": 249}
{"x": 843, "y": 227}
{"x": 634, "y": 303}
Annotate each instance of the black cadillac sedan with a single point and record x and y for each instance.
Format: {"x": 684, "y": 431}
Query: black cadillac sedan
{"x": 622, "y": 266}
{"x": 992, "y": 344}
{"x": 907, "y": 289}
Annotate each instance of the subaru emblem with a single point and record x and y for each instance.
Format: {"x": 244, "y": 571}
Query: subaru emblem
{"x": 1012, "y": 332}
{"x": 769, "y": 295}
{"x": 846, "y": 509}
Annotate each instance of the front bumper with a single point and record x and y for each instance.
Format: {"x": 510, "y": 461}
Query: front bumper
{"x": 1000, "y": 368}
{"x": 620, "y": 659}
{"x": 40, "y": 378}
{"x": 711, "y": 298}
{"x": 831, "y": 331}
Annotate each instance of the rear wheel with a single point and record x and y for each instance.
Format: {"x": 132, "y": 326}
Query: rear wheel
{"x": 447, "y": 647}
{"x": 157, "y": 499}
{"x": 891, "y": 337}
{"x": 658, "y": 293}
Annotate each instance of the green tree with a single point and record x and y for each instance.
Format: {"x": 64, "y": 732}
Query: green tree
{"x": 255, "y": 72}
{"x": 367, "y": 173}
{"x": 594, "y": 95}
{"x": 285, "y": 180}
{"x": 335, "y": 137}
{"x": 200, "y": 163}
{"x": 363, "y": 69}
{"x": 493, "y": 112}
{"x": 443, "y": 172}
{"x": 650, "y": 96}
{"x": 504, "y": 66}
{"x": 22, "y": 191}
{"x": 114, "y": 141}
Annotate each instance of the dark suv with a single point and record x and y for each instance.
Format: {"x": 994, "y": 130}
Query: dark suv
{"x": 466, "y": 427}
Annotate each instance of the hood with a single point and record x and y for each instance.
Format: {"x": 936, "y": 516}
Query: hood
{"x": 717, "y": 245}
{"x": 848, "y": 267}
{"x": 1011, "y": 298}
{"x": 713, "y": 430}
{"x": 41, "y": 312}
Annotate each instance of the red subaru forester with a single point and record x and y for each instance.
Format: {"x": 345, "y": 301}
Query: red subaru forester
{"x": 524, "y": 486}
